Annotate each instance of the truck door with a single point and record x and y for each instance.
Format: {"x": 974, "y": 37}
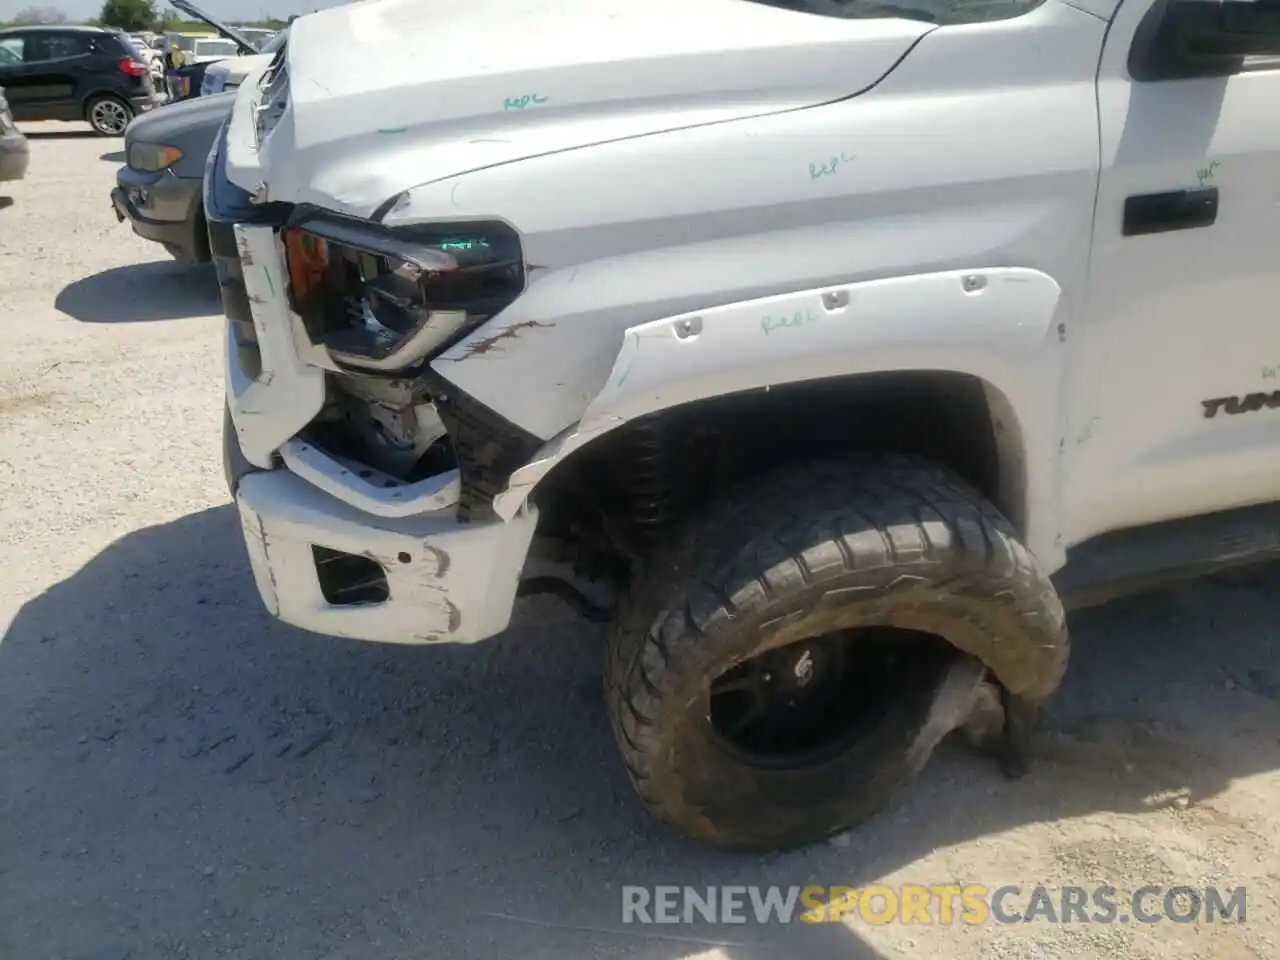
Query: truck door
{"x": 1183, "y": 305}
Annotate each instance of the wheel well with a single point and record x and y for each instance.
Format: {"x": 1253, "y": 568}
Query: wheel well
{"x": 617, "y": 495}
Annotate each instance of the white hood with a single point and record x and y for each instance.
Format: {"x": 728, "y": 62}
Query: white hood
{"x": 389, "y": 94}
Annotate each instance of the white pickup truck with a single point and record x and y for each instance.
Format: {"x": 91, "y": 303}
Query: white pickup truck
{"x": 829, "y": 348}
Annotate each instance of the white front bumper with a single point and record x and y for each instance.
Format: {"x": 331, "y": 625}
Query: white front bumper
{"x": 446, "y": 581}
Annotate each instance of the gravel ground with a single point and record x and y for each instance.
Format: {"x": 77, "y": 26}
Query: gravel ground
{"x": 182, "y": 777}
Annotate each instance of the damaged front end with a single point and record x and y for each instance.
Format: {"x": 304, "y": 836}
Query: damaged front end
{"x": 363, "y": 479}
{"x": 379, "y": 305}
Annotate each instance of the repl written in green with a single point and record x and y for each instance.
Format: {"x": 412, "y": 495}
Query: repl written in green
{"x": 519, "y": 103}
{"x": 773, "y": 322}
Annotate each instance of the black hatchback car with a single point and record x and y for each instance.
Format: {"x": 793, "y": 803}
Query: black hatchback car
{"x": 74, "y": 73}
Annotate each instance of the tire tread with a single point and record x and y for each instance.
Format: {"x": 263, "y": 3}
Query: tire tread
{"x": 744, "y": 556}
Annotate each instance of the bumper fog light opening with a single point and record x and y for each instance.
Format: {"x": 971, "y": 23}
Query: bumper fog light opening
{"x": 347, "y": 579}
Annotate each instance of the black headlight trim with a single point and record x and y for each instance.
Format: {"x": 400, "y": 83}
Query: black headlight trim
{"x": 385, "y": 299}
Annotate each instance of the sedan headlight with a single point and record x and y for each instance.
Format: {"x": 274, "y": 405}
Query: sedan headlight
{"x": 212, "y": 83}
{"x": 150, "y": 157}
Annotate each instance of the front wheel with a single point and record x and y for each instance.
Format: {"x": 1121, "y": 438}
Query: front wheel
{"x": 109, "y": 116}
{"x": 797, "y": 655}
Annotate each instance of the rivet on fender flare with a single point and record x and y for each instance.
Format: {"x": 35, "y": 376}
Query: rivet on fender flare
{"x": 689, "y": 327}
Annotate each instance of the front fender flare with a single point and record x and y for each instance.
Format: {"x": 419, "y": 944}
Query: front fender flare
{"x": 997, "y": 324}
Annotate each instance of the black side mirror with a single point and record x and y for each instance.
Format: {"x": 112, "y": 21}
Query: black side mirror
{"x": 1209, "y": 32}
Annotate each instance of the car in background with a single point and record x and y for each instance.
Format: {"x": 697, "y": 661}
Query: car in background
{"x": 152, "y": 57}
{"x": 14, "y": 149}
{"x": 148, "y": 48}
{"x": 187, "y": 79}
{"x": 258, "y": 36}
{"x": 75, "y": 73}
{"x": 228, "y": 74}
{"x": 159, "y": 189}
{"x": 208, "y": 49}
{"x": 178, "y": 45}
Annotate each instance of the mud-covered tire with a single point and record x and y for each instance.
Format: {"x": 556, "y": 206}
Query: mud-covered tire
{"x": 812, "y": 549}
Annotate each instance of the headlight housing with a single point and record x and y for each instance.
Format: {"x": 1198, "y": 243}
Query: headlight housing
{"x": 380, "y": 299}
{"x": 212, "y": 83}
{"x": 151, "y": 157}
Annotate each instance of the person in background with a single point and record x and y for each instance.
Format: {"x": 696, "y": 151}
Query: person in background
{"x": 173, "y": 59}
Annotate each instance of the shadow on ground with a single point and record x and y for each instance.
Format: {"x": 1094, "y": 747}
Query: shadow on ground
{"x": 185, "y": 777}
{"x": 141, "y": 293}
{"x": 115, "y": 156}
{"x": 78, "y": 133}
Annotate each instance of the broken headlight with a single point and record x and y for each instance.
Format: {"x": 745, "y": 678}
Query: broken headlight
{"x": 385, "y": 300}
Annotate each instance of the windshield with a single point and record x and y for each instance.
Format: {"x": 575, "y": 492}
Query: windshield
{"x": 276, "y": 42}
{"x": 216, "y": 48}
{"x": 930, "y": 11}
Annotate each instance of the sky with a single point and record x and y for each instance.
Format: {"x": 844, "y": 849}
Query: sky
{"x": 222, "y": 9}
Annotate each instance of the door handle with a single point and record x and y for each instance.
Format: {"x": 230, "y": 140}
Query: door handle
{"x": 1176, "y": 210}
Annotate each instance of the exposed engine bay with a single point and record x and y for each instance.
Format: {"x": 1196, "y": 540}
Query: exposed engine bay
{"x": 390, "y": 424}
{"x": 381, "y": 304}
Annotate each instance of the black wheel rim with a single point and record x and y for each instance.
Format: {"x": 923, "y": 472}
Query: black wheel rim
{"x": 805, "y": 703}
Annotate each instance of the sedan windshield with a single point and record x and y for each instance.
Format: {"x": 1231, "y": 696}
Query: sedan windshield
{"x": 930, "y": 11}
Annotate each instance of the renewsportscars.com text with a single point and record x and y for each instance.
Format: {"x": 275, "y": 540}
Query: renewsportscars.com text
{"x": 970, "y": 904}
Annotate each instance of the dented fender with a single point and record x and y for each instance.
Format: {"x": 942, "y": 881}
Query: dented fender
{"x": 998, "y": 324}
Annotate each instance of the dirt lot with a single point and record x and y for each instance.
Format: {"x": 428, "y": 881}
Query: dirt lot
{"x": 182, "y": 777}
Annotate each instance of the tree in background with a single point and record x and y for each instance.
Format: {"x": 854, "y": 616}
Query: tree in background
{"x": 38, "y": 15}
{"x": 130, "y": 15}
